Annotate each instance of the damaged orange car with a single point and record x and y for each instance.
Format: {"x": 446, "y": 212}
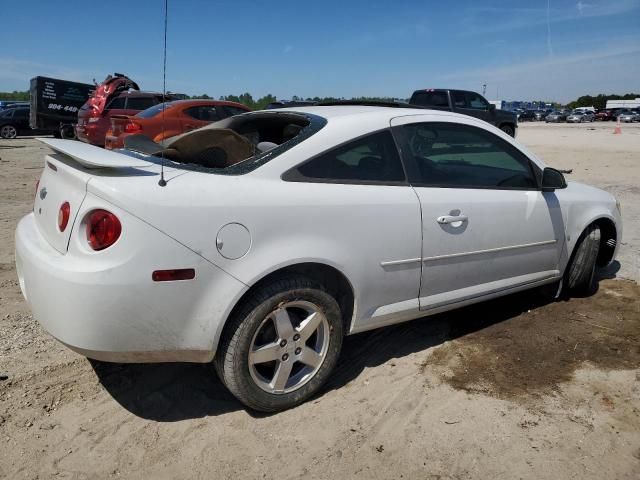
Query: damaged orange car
{"x": 179, "y": 116}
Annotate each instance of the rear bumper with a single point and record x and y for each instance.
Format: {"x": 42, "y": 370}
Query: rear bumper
{"x": 90, "y": 133}
{"x": 108, "y": 308}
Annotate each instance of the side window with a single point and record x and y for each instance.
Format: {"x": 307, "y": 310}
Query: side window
{"x": 204, "y": 113}
{"x": 231, "y": 111}
{"x": 459, "y": 99}
{"x": 453, "y": 155}
{"x": 476, "y": 102}
{"x": 430, "y": 99}
{"x": 117, "y": 102}
{"x": 373, "y": 158}
{"x": 140, "y": 103}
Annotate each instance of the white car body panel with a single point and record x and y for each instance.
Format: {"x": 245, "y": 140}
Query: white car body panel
{"x": 383, "y": 239}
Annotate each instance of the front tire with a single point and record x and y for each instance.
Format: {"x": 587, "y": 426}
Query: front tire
{"x": 8, "y": 131}
{"x": 580, "y": 275}
{"x": 281, "y": 344}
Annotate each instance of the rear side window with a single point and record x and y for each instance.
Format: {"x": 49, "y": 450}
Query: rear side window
{"x": 231, "y": 111}
{"x": 116, "y": 103}
{"x": 140, "y": 103}
{"x": 430, "y": 99}
{"x": 373, "y": 158}
{"x": 459, "y": 99}
{"x": 204, "y": 113}
{"x": 155, "y": 110}
{"x": 462, "y": 156}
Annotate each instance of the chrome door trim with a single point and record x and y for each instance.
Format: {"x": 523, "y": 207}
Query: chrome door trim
{"x": 489, "y": 250}
{"x": 392, "y": 263}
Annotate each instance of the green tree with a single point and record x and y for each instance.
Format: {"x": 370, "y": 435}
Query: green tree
{"x": 15, "y": 95}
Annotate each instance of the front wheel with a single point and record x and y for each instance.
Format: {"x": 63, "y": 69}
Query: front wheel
{"x": 580, "y": 274}
{"x": 8, "y": 131}
{"x": 508, "y": 129}
{"x": 281, "y": 344}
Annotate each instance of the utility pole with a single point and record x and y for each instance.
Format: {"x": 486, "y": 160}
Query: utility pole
{"x": 484, "y": 89}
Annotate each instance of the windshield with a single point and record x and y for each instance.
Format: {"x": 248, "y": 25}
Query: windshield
{"x": 153, "y": 111}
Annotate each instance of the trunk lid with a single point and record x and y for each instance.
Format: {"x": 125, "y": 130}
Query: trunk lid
{"x": 59, "y": 183}
{"x": 65, "y": 177}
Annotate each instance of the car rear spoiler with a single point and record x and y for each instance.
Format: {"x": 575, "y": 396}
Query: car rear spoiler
{"x": 91, "y": 156}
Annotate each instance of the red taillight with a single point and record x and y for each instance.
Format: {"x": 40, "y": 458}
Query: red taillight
{"x": 103, "y": 229}
{"x": 63, "y": 216}
{"x": 172, "y": 275}
{"x": 132, "y": 127}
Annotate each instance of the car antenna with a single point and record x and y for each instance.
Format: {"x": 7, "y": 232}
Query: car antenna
{"x": 162, "y": 182}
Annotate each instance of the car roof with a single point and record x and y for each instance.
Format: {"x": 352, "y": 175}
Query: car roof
{"x": 203, "y": 101}
{"x": 337, "y": 111}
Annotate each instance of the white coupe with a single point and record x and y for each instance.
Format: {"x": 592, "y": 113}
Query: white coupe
{"x": 270, "y": 235}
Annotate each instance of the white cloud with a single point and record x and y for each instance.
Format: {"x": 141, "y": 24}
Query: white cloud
{"x": 483, "y": 20}
{"x": 609, "y": 69}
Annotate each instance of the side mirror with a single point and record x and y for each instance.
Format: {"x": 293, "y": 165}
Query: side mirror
{"x": 492, "y": 107}
{"x": 552, "y": 179}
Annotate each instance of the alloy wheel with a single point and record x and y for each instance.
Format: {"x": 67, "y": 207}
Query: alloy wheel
{"x": 8, "y": 131}
{"x": 289, "y": 347}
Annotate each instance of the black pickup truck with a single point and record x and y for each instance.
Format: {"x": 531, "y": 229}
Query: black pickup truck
{"x": 468, "y": 103}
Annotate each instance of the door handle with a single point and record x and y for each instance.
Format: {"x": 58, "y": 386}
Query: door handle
{"x": 452, "y": 218}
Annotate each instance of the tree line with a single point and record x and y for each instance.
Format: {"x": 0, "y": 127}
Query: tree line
{"x": 258, "y": 104}
{"x": 600, "y": 101}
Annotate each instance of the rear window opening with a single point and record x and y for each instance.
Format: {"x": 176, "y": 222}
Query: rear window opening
{"x": 233, "y": 146}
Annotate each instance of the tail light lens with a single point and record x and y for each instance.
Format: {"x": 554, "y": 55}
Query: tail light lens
{"x": 132, "y": 127}
{"x": 63, "y": 216}
{"x": 103, "y": 229}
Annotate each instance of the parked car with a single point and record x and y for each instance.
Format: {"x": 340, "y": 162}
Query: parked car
{"x": 629, "y": 116}
{"x": 289, "y": 104}
{"x": 5, "y": 104}
{"x": 15, "y": 122}
{"x": 604, "y": 115}
{"x": 527, "y": 116}
{"x": 580, "y": 117}
{"x": 556, "y": 116}
{"x": 179, "y": 116}
{"x": 617, "y": 112}
{"x": 468, "y": 103}
{"x": 93, "y": 125}
{"x": 541, "y": 114}
{"x": 252, "y": 258}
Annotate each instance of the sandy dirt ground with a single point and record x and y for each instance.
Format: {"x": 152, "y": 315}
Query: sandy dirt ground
{"x": 514, "y": 388}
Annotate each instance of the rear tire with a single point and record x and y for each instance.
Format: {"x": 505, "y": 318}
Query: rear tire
{"x": 8, "y": 131}
{"x": 508, "y": 129}
{"x": 580, "y": 275}
{"x": 272, "y": 322}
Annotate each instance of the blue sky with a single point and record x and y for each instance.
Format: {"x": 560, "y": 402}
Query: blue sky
{"x": 534, "y": 49}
